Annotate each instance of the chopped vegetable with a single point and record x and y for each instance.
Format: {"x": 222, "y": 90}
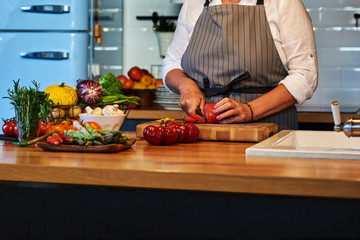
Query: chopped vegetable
{"x": 52, "y": 140}
{"x": 66, "y": 139}
{"x": 57, "y": 137}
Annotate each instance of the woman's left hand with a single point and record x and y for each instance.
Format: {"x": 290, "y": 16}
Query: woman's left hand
{"x": 230, "y": 111}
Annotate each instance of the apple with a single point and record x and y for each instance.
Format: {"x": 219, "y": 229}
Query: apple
{"x": 145, "y": 71}
{"x": 122, "y": 78}
{"x": 135, "y": 73}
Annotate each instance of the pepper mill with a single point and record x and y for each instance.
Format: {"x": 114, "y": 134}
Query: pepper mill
{"x": 351, "y": 127}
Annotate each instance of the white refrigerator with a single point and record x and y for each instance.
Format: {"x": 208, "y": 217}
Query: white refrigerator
{"x": 42, "y": 40}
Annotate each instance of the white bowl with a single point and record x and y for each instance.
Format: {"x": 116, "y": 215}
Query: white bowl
{"x": 112, "y": 123}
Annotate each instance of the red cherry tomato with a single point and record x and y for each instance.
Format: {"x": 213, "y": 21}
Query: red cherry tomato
{"x": 8, "y": 129}
{"x": 160, "y": 135}
{"x": 209, "y": 113}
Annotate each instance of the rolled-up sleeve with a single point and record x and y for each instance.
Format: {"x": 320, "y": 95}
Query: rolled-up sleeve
{"x": 298, "y": 43}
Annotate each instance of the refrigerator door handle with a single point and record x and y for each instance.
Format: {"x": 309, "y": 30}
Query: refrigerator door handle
{"x": 46, "y": 55}
{"x": 46, "y": 8}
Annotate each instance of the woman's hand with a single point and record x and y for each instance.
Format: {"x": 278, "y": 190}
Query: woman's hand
{"x": 231, "y": 111}
{"x": 191, "y": 98}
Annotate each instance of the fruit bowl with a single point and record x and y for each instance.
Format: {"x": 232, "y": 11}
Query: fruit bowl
{"x": 113, "y": 123}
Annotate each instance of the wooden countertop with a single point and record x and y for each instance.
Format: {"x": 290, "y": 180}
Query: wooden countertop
{"x": 200, "y": 166}
{"x": 157, "y": 112}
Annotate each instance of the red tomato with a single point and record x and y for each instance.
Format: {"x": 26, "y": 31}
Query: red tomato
{"x": 135, "y": 73}
{"x": 94, "y": 125}
{"x": 181, "y": 130}
{"x": 209, "y": 113}
{"x": 187, "y": 132}
{"x": 193, "y": 133}
{"x": 160, "y": 135}
{"x": 8, "y": 129}
{"x": 16, "y": 129}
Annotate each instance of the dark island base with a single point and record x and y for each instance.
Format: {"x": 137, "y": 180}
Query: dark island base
{"x": 47, "y": 211}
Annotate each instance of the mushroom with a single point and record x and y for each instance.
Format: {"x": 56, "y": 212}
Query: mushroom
{"x": 74, "y": 111}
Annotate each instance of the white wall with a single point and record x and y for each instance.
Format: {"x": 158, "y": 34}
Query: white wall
{"x": 140, "y": 43}
{"x": 337, "y": 39}
{"x": 338, "y": 45}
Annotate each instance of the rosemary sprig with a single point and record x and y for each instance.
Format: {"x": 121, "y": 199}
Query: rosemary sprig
{"x": 31, "y": 105}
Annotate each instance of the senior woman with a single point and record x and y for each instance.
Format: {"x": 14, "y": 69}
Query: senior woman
{"x": 255, "y": 59}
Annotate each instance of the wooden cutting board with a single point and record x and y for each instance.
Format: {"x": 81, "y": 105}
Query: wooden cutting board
{"x": 246, "y": 132}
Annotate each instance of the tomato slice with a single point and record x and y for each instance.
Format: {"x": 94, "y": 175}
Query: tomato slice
{"x": 190, "y": 119}
{"x": 198, "y": 117}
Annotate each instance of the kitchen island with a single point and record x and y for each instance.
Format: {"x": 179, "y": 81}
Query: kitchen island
{"x": 200, "y": 190}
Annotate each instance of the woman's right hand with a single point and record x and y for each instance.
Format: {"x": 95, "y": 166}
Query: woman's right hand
{"x": 191, "y": 97}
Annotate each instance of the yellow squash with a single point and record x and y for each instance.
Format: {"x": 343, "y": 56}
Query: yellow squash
{"x": 62, "y": 94}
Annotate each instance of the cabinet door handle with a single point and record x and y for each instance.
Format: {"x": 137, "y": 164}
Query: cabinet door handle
{"x": 46, "y": 8}
{"x": 46, "y": 55}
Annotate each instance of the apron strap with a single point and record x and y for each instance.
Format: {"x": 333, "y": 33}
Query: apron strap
{"x": 210, "y": 92}
{"x": 207, "y": 2}
{"x": 259, "y": 2}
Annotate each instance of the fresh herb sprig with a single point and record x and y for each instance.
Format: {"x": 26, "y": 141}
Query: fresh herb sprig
{"x": 31, "y": 105}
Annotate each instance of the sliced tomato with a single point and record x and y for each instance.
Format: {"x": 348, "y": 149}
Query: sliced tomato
{"x": 198, "y": 117}
{"x": 190, "y": 119}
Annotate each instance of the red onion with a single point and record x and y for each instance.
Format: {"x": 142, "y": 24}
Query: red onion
{"x": 89, "y": 91}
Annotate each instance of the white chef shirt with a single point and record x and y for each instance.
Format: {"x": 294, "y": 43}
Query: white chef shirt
{"x": 291, "y": 29}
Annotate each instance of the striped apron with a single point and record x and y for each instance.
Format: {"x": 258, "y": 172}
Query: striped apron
{"x": 231, "y": 53}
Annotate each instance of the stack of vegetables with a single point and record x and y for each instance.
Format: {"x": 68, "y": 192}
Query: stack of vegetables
{"x": 107, "y": 91}
{"x": 70, "y": 102}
